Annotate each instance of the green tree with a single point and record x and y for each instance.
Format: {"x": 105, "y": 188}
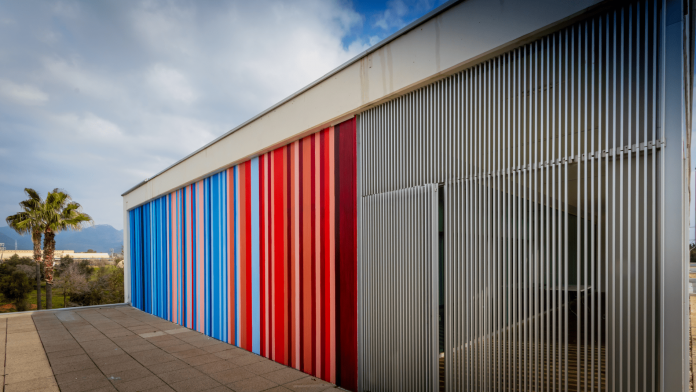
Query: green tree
{"x": 112, "y": 278}
{"x": 59, "y": 213}
{"x": 72, "y": 280}
{"x": 30, "y": 220}
{"x": 14, "y": 287}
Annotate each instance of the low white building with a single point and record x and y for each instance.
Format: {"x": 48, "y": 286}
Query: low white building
{"x": 58, "y": 254}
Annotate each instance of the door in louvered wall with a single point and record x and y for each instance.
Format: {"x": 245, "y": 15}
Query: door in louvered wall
{"x": 550, "y": 159}
{"x": 399, "y": 281}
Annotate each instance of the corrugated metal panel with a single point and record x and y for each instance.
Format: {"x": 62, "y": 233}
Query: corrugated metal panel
{"x": 549, "y": 156}
{"x": 399, "y": 278}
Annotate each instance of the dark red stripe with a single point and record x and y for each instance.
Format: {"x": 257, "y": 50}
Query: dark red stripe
{"x": 323, "y": 232}
{"x": 346, "y": 257}
{"x": 287, "y": 276}
{"x": 314, "y": 255}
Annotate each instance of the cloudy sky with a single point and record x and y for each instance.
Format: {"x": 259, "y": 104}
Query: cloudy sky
{"x": 96, "y": 96}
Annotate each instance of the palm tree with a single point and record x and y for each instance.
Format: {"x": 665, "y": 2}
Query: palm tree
{"x": 30, "y": 220}
{"x": 59, "y": 213}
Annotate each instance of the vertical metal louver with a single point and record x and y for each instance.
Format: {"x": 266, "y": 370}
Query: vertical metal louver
{"x": 399, "y": 276}
{"x": 550, "y": 159}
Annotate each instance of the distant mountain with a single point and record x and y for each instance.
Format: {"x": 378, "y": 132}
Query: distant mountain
{"x": 101, "y": 238}
{"x": 8, "y": 237}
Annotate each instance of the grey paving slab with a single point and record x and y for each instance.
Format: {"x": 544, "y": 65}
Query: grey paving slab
{"x": 180, "y": 375}
{"x": 196, "y": 384}
{"x": 168, "y": 366}
{"x": 216, "y": 367}
{"x": 284, "y": 376}
{"x": 264, "y": 367}
{"x": 232, "y": 375}
{"x": 307, "y": 384}
{"x": 202, "y": 359}
{"x": 252, "y": 384}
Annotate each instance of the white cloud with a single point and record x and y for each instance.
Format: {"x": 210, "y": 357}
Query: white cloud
{"x": 164, "y": 25}
{"x": 80, "y": 78}
{"x": 171, "y": 84}
{"x": 393, "y": 15}
{"x": 90, "y": 126}
{"x": 67, "y": 9}
{"x": 22, "y": 93}
{"x": 398, "y": 12}
{"x": 136, "y": 86}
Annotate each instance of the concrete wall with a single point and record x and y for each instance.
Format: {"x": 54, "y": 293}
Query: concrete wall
{"x": 462, "y": 35}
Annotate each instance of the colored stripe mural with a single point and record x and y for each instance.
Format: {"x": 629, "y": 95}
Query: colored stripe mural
{"x": 261, "y": 255}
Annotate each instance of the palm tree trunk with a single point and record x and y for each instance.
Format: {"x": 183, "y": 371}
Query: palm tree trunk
{"x": 49, "y": 296}
{"x": 36, "y": 239}
{"x": 38, "y": 286}
{"x": 49, "y": 249}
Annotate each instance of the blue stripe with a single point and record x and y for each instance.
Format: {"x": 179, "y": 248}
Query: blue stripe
{"x": 215, "y": 240}
{"x": 255, "y": 259}
{"x": 226, "y": 262}
{"x": 236, "y": 255}
{"x": 194, "y": 258}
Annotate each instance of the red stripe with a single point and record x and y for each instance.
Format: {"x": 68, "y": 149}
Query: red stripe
{"x": 326, "y": 243}
{"x": 306, "y": 272}
{"x": 292, "y": 175}
{"x": 313, "y": 291}
{"x": 262, "y": 269}
{"x": 346, "y": 257}
{"x": 321, "y": 311}
{"x": 273, "y": 222}
{"x": 286, "y": 255}
{"x": 242, "y": 255}
{"x": 247, "y": 212}
{"x": 279, "y": 290}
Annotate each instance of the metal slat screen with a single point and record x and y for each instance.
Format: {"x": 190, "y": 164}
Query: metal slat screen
{"x": 397, "y": 253}
{"x": 549, "y": 160}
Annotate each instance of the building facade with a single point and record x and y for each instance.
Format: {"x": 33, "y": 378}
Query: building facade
{"x": 495, "y": 198}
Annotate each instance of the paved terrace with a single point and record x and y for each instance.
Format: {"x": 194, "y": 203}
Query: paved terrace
{"x": 121, "y": 348}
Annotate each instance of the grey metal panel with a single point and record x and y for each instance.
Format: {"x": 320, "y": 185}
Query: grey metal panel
{"x": 551, "y": 156}
{"x": 399, "y": 259}
{"x": 673, "y": 207}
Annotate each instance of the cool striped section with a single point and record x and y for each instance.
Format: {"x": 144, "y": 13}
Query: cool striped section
{"x": 261, "y": 255}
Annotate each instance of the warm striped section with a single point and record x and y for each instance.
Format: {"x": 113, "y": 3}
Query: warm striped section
{"x": 261, "y": 255}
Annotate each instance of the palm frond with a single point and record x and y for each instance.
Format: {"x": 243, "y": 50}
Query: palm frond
{"x": 33, "y": 195}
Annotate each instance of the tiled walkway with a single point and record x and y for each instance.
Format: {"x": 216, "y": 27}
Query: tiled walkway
{"x": 121, "y": 348}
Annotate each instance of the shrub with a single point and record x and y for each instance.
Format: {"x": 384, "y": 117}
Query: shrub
{"x": 17, "y": 262}
{"x": 105, "y": 287}
{"x": 67, "y": 261}
{"x": 15, "y": 286}
{"x": 29, "y": 270}
{"x": 114, "y": 284}
{"x": 72, "y": 280}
